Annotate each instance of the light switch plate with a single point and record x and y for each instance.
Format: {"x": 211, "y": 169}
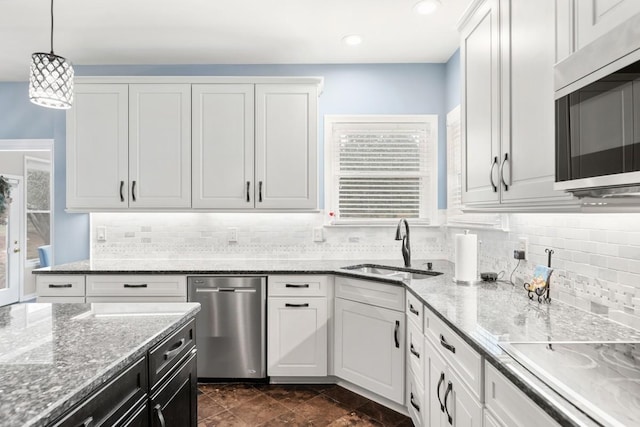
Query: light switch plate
{"x": 318, "y": 234}
{"x": 101, "y": 233}
{"x": 232, "y": 234}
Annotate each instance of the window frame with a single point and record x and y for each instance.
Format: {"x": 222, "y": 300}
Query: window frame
{"x": 429, "y": 208}
{"x": 35, "y": 262}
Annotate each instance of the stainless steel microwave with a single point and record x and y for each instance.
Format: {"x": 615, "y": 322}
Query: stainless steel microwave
{"x": 598, "y": 136}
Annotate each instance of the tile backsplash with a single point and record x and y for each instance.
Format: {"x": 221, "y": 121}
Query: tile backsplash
{"x": 259, "y": 236}
{"x": 596, "y": 256}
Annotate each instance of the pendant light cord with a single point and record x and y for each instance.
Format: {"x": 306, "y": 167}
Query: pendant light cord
{"x": 51, "y": 27}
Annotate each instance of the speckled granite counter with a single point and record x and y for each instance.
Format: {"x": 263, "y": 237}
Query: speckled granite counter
{"x": 54, "y": 355}
{"x": 485, "y": 315}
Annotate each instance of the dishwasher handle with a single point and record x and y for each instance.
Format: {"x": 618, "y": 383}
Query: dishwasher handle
{"x": 237, "y": 290}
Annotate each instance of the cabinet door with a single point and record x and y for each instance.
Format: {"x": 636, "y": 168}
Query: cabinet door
{"x": 479, "y": 52}
{"x": 527, "y": 162}
{"x": 97, "y": 143}
{"x": 564, "y": 31}
{"x": 160, "y": 145}
{"x": 297, "y": 337}
{"x": 462, "y": 406}
{"x": 223, "y": 146}
{"x": 175, "y": 402}
{"x": 436, "y": 385}
{"x": 286, "y": 146}
{"x": 369, "y": 348}
{"x": 594, "y": 18}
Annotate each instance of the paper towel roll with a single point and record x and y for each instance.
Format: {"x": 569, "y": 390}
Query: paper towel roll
{"x": 466, "y": 258}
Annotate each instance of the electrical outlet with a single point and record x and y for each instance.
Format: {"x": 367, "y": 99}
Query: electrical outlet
{"x": 523, "y": 245}
{"x": 101, "y": 233}
{"x": 318, "y": 234}
{"x": 232, "y": 234}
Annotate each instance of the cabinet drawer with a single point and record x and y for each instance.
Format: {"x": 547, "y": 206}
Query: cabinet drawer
{"x": 111, "y": 405}
{"x": 61, "y": 299}
{"x": 459, "y": 355}
{"x": 140, "y": 417}
{"x": 415, "y": 401}
{"x": 125, "y": 298}
{"x": 510, "y": 406}
{"x": 60, "y": 286}
{"x": 308, "y": 286}
{"x": 415, "y": 351}
{"x": 164, "y": 356}
{"x": 371, "y": 292}
{"x": 415, "y": 311}
{"x": 138, "y": 285}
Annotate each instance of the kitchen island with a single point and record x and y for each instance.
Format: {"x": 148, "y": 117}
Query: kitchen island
{"x": 56, "y": 357}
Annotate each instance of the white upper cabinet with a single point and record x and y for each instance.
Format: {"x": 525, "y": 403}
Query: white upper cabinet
{"x": 286, "y": 146}
{"x": 479, "y": 53}
{"x": 595, "y": 18}
{"x": 508, "y": 52}
{"x": 160, "y": 145}
{"x": 223, "y": 146}
{"x": 97, "y": 147}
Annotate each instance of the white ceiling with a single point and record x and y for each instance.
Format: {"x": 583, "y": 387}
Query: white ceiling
{"x": 225, "y": 32}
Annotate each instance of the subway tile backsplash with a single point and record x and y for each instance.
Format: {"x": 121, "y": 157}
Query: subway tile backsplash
{"x": 596, "y": 256}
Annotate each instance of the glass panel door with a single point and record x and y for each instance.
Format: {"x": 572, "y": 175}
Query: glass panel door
{"x": 10, "y": 247}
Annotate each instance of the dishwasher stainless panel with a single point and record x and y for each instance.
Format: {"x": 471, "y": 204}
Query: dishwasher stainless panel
{"x": 230, "y": 327}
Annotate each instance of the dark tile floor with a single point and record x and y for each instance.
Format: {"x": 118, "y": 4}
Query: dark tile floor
{"x": 244, "y": 405}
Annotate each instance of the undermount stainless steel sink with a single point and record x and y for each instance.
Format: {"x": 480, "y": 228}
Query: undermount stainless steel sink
{"x": 393, "y": 272}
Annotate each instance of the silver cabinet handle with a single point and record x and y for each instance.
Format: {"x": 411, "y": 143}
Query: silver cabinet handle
{"x": 158, "y": 410}
{"x": 493, "y": 185}
{"x": 506, "y": 158}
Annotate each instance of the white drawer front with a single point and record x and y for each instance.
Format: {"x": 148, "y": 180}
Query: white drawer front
{"x": 371, "y": 292}
{"x": 61, "y": 299}
{"x": 415, "y": 401}
{"x": 461, "y": 357}
{"x": 159, "y": 286}
{"x": 509, "y": 405}
{"x": 415, "y": 352}
{"x": 294, "y": 286}
{"x": 60, "y": 286}
{"x": 415, "y": 311}
{"x": 137, "y": 299}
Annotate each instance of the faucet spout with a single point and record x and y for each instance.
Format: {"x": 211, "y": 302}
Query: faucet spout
{"x": 406, "y": 247}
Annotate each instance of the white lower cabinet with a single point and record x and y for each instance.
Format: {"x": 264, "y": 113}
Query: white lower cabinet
{"x": 451, "y": 402}
{"x": 369, "y": 348}
{"x": 297, "y": 337}
{"x": 136, "y": 288}
{"x": 60, "y": 288}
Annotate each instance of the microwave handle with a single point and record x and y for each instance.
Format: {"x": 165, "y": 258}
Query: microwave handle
{"x": 495, "y": 162}
{"x": 506, "y": 158}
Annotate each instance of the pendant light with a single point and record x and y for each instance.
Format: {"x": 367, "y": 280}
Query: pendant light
{"x": 51, "y": 78}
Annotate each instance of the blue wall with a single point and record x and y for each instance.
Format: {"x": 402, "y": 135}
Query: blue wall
{"x": 20, "y": 119}
{"x": 453, "y": 82}
{"x": 348, "y": 89}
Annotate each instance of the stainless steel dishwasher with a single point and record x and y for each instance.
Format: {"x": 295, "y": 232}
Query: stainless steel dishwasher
{"x": 230, "y": 327}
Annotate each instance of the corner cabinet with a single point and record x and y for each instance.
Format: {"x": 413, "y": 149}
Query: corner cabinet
{"x": 129, "y": 146}
{"x": 508, "y": 106}
{"x": 183, "y": 143}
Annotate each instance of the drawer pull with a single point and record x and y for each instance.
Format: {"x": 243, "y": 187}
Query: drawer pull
{"x": 296, "y": 305}
{"x": 133, "y": 191}
{"x": 413, "y": 351}
{"x": 291, "y": 285}
{"x": 414, "y": 404}
{"x": 174, "y": 349}
{"x": 87, "y": 423}
{"x": 493, "y": 185}
{"x": 446, "y": 396}
{"x": 413, "y": 310}
{"x": 446, "y": 345}
{"x": 63, "y": 285}
{"x": 260, "y": 191}
{"x": 438, "y": 391}
{"x": 158, "y": 410}
{"x": 396, "y": 332}
{"x": 121, "y": 188}
{"x": 141, "y": 285}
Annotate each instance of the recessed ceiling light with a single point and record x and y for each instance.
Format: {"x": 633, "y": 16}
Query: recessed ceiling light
{"x": 426, "y": 7}
{"x": 352, "y": 40}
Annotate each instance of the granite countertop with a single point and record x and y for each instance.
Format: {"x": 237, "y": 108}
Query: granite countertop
{"x": 485, "y": 315}
{"x": 54, "y": 355}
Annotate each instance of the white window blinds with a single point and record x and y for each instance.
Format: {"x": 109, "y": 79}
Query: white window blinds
{"x": 383, "y": 169}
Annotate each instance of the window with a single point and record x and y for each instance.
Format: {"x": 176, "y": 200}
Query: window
{"x": 38, "y": 191}
{"x": 381, "y": 168}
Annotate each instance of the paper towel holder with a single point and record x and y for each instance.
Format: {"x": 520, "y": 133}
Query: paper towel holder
{"x": 467, "y": 282}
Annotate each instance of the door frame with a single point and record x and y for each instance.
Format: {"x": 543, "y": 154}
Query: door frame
{"x": 17, "y": 203}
